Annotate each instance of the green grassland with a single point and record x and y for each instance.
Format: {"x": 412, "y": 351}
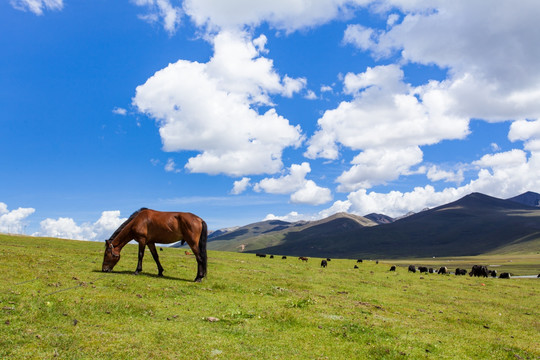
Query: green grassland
{"x": 56, "y": 303}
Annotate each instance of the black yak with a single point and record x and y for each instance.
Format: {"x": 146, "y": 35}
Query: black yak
{"x": 479, "y": 271}
{"x": 324, "y": 263}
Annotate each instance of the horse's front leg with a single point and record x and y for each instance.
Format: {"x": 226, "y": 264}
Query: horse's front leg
{"x": 142, "y": 246}
{"x": 152, "y": 248}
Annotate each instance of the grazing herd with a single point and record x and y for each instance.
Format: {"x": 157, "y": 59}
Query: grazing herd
{"x": 477, "y": 270}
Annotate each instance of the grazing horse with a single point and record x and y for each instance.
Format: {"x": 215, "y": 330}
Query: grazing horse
{"x": 149, "y": 227}
{"x": 303, "y": 258}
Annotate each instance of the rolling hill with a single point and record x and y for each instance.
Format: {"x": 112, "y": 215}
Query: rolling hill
{"x": 476, "y": 224}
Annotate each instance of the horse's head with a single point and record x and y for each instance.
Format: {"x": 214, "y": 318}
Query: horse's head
{"x": 110, "y": 258}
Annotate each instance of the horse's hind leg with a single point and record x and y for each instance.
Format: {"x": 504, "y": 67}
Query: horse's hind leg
{"x": 152, "y": 248}
{"x": 141, "y": 255}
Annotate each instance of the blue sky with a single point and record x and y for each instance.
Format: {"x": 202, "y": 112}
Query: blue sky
{"x": 241, "y": 111}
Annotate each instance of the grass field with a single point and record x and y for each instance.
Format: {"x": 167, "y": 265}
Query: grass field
{"x": 56, "y": 303}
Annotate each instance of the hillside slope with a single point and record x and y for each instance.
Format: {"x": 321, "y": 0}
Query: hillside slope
{"x": 475, "y": 224}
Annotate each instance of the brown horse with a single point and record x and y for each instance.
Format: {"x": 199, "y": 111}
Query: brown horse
{"x": 149, "y": 227}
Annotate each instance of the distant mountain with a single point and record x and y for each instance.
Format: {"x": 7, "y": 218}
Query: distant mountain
{"x": 240, "y": 233}
{"x": 529, "y": 198}
{"x": 379, "y": 218}
{"x": 475, "y": 224}
{"x": 270, "y": 233}
{"x": 213, "y": 234}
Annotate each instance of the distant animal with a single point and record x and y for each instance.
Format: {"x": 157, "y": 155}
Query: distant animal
{"x": 160, "y": 249}
{"x": 504, "y": 275}
{"x": 328, "y": 259}
{"x": 149, "y": 227}
{"x": 442, "y": 270}
{"x": 538, "y": 276}
{"x": 324, "y": 263}
{"x": 461, "y": 271}
{"x": 283, "y": 257}
{"x": 359, "y": 260}
{"x": 431, "y": 271}
{"x": 303, "y": 258}
{"x": 260, "y": 255}
{"x": 356, "y": 266}
{"x": 412, "y": 268}
{"x": 271, "y": 256}
{"x": 393, "y": 268}
{"x": 423, "y": 269}
{"x": 493, "y": 273}
{"x": 479, "y": 271}
{"x": 187, "y": 253}
{"x": 376, "y": 262}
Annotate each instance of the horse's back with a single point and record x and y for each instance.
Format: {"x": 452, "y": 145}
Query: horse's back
{"x": 166, "y": 227}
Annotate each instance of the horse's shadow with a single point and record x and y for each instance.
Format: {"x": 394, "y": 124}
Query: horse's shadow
{"x": 155, "y": 276}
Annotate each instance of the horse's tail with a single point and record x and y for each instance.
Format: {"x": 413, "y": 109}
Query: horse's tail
{"x": 124, "y": 224}
{"x": 202, "y": 244}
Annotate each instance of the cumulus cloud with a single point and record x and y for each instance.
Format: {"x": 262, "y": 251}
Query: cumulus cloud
{"x": 170, "y": 166}
{"x": 211, "y": 108}
{"x": 312, "y": 194}
{"x": 295, "y": 183}
{"x": 240, "y": 186}
{"x": 287, "y": 15}
{"x": 67, "y": 228}
{"x": 119, "y": 111}
{"x": 37, "y": 6}
{"x": 161, "y": 11}
{"x": 490, "y": 52}
{"x": 503, "y": 175}
{"x": 435, "y": 173}
{"x": 377, "y": 166}
{"x": 389, "y": 120}
{"x": 13, "y": 221}
{"x": 360, "y": 36}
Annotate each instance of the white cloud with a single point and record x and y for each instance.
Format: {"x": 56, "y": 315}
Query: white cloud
{"x": 326, "y": 88}
{"x": 360, "y": 36}
{"x": 287, "y": 183}
{"x": 389, "y": 120}
{"x": 161, "y": 11}
{"x": 13, "y": 221}
{"x": 119, "y": 111}
{"x": 377, "y": 166}
{"x": 502, "y": 175}
{"x": 312, "y": 194}
{"x": 240, "y": 186}
{"x": 310, "y": 95}
{"x": 67, "y": 228}
{"x": 293, "y": 216}
{"x": 211, "y": 108}
{"x": 37, "y": 6}
{"x": 170, "y": 166}
{"x": 302, "y": 191}
{"x": 490, "y": 52}
{"x": 527, "y": 131}
{"x": 288, "y": 15}
{"x": 435, "y": 173}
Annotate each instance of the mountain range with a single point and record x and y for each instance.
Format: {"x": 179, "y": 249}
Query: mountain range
{"x": 473, "y": 225}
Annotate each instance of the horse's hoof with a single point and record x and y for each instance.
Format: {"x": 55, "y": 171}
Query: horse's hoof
{"x": 136, "y": 273}
{"x": 198, "y": 279}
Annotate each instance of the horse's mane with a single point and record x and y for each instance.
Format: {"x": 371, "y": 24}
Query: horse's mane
{"x": 126, "y": 222}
